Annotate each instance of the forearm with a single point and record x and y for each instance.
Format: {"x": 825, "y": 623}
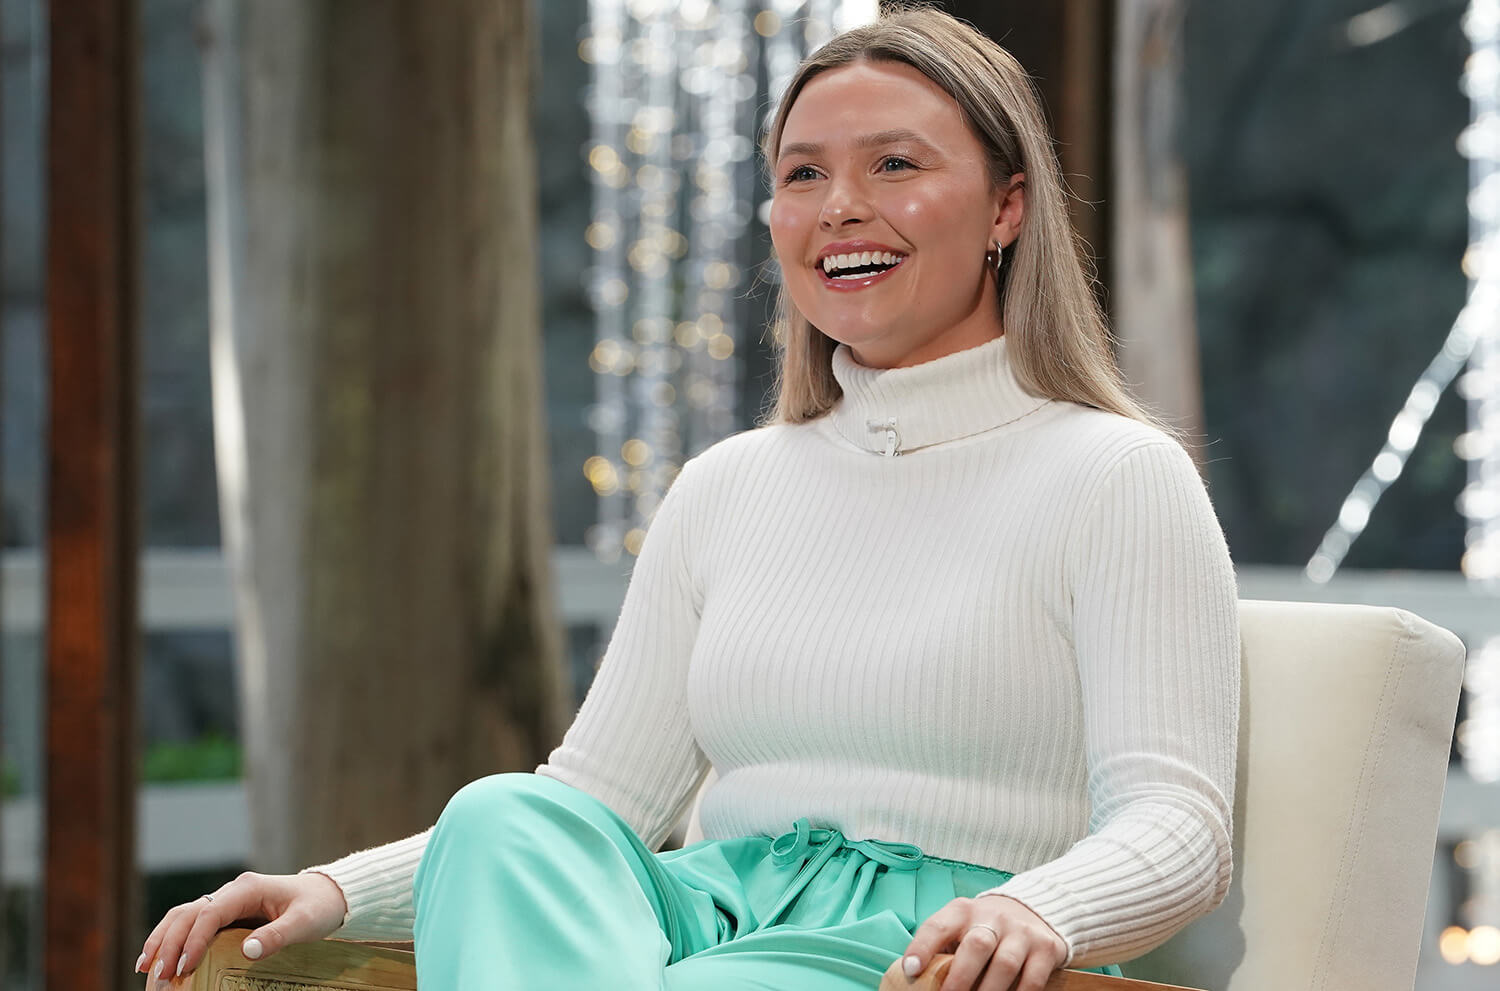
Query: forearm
{"x": 1127, "y": 888}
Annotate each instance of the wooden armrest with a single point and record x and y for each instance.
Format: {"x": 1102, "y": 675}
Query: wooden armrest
{"x": 330, "y": 963}
{"x": 1062, "y": 980}
{"x": 338, "y": 965}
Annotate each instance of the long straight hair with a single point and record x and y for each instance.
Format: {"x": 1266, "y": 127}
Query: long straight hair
{"x": 1059, "y": 343}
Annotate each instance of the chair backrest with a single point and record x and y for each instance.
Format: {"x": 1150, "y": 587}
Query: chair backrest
{"x": 1346, "y": 718}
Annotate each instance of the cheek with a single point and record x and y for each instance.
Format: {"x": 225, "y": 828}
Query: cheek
{"x": 946, "y": 226}
{"x": 935, "y": 217}
{"x": 790, "y": 223}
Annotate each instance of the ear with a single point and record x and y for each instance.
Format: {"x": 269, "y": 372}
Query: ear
{"x": 1010, "y": 210}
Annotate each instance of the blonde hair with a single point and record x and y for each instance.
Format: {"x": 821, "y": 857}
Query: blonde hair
{"x": 1059, "y": 344}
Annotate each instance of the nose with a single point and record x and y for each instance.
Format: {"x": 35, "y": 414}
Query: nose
{"x": 843, "y": 204}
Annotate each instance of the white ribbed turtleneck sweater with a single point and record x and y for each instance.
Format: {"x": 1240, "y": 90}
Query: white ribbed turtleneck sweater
{"x": 1013, "y": 645}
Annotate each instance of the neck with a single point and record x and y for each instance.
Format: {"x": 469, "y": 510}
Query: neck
{"x": 959, "y": 339}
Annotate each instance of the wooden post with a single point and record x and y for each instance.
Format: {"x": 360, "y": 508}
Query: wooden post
{"x": 92, "y": 220}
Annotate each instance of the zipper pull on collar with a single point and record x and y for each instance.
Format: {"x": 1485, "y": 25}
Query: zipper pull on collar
{"x": 892, "y": 435}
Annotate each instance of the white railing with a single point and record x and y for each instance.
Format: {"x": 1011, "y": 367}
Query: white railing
{"x": 188, "y": 589}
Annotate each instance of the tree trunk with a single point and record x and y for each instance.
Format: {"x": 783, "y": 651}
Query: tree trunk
{"x": 377, "y": 407}
{"x": 1152, "y": 288}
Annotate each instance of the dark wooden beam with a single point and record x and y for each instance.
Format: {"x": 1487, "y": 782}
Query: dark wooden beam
{"x": 4, "y": 929}
{"x": 1066, "y": 46}
{"x": 92, "y": 531}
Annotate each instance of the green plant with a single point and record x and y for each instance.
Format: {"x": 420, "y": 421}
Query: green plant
{"x": 209, "y": 758}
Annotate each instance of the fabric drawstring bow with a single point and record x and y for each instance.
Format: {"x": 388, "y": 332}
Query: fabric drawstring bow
{"x": 815, "y": 847}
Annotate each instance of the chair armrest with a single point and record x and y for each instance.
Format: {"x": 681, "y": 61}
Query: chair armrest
{"x": 1062, "y": 980}
{"x": 330, "y": 963}
{"x": 338, "y": 965}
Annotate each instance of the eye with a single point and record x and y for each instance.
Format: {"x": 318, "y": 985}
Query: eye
{"x": 900, "y": 164}
{"x": 800, "y": 174}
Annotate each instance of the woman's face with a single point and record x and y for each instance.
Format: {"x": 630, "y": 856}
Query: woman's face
{"x": 875, "y": 158}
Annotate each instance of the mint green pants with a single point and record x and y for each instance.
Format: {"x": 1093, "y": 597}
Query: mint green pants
{"x": 527, "y": 882}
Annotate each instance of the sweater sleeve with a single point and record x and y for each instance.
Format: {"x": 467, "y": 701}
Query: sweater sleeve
{"x": 631, "y": 745}
{"x": 377, "y": 887}
{"x": 1156, "y": 634}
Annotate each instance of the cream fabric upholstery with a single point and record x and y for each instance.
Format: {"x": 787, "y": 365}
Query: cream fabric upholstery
{"x": 1346, "y": 716}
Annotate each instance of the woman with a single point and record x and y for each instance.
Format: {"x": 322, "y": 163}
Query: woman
{"x": 957, "y": 629}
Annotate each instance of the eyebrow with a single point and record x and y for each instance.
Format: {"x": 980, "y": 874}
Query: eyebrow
{"x": 876, "y": 139}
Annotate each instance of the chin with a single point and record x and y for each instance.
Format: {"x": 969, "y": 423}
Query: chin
{"x": 852, "y": 334}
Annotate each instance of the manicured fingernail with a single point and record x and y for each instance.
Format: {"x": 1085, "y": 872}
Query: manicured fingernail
{"x": 912, "y": 966}
{"x": 140, "y": 963}
{"x": 252, "y": 949}
{"x": 156, "y": 971}
{"x": 181, "y": 962}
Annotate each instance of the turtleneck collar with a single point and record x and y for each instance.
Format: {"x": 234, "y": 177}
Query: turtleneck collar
{"x": 900, "y": 410}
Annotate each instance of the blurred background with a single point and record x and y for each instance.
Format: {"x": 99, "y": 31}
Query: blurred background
{"x": 413, "y": 311}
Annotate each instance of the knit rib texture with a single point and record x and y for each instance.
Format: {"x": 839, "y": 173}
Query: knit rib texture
{"x": 1015, "y": 645}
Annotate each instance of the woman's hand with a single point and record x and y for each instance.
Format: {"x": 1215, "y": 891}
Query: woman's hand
{"x": 998, "y": 944}
{"x": 300, "y": 907}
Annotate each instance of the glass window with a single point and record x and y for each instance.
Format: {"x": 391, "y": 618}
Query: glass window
{"x": 23, "y": 64}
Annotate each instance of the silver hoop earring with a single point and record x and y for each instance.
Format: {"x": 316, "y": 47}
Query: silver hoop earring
{"x": 999, "y": 257}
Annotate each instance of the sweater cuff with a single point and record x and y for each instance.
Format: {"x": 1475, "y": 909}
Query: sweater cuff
{"x": 1053, "y": 905}
{"x": 377, "y": 888}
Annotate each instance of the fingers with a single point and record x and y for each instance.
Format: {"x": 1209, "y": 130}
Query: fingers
{"x": 1033, "y": 976}
{"x": 199, "y": 935}
{"x": 1026, "y": 918}
{"x": 177, "y": 945}
{"x": 939, "y": 933}
{"x": 998, "y": 944}
{"x": 163, "y": 949}
{"x": 976, "y": 950}
{"x": 1010, "y": 961}
{"x": 153, "y": 941}
{"x": 275, "y": 935}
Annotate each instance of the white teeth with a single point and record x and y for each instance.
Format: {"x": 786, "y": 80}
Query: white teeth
{"x": 859, "y": 259}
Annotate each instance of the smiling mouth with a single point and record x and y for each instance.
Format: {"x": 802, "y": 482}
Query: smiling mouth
{"x": 859, "y": 266}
